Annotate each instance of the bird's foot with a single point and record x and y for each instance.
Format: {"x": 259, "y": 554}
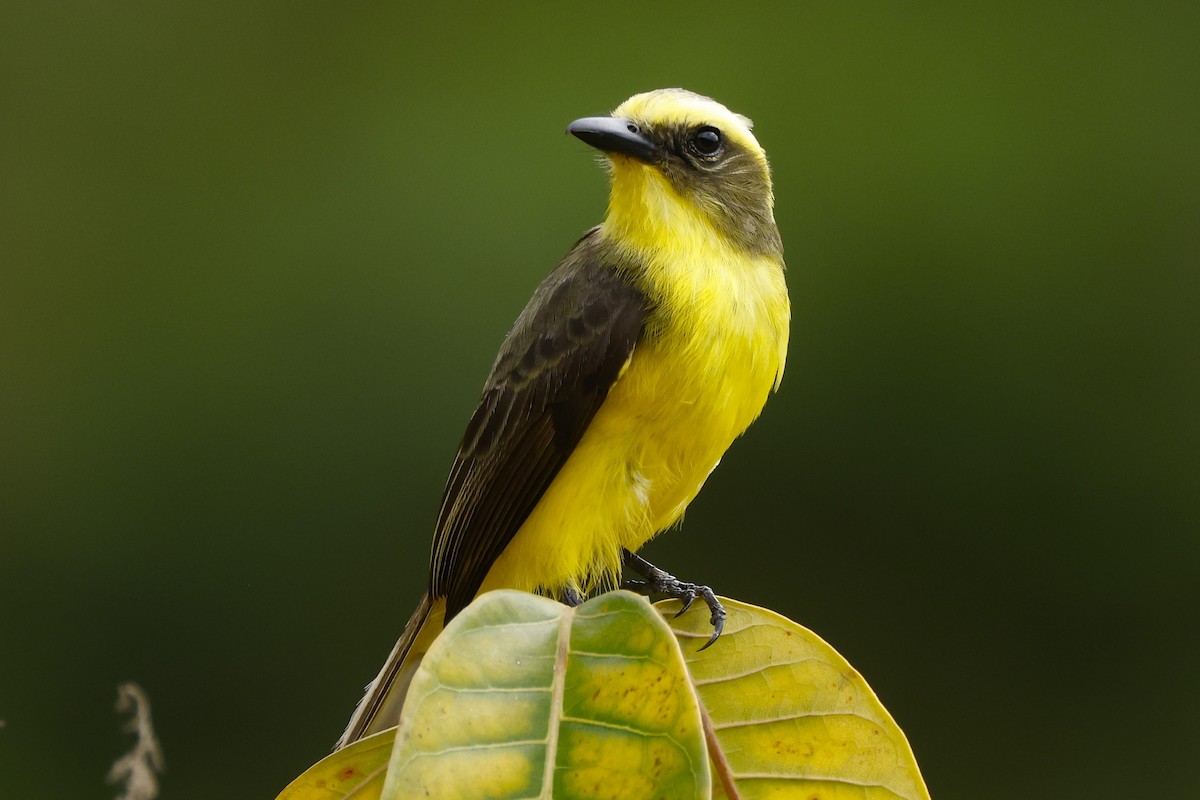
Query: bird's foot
{"x": 659, "y": 582}
{"x": 570, "y": 597}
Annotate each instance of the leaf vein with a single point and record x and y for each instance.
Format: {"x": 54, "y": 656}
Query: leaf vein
{"x": 798, "y": 715}
{"x": 755, "y": 671}
{"x": 770, "y": 776}
{"x": 617, "y": 727}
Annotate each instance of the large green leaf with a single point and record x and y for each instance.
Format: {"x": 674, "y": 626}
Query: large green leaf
{"x": 522, "y": 697}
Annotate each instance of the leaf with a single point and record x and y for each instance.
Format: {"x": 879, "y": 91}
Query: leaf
{"x": 522, "y": 695}
{"x": 787, "y": 717}
{"x": 518, "y": 682}
{"x": 352, "y": 773}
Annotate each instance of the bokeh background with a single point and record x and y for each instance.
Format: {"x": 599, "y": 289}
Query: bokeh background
{"x": 257, "y": 258}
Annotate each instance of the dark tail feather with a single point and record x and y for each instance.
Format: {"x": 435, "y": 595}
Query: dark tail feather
{"x": 380, "y": 707}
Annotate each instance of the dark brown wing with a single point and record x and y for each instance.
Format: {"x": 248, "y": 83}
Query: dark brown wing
{"x": 553, "y": 371}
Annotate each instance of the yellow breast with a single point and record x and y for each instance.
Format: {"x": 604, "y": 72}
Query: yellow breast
{"x": 713, "y": 348}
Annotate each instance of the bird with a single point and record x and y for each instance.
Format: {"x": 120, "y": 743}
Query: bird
{"x": 648, "y": 349}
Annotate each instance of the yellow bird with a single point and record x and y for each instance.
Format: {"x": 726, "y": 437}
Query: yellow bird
{"x": 651, "y": 346}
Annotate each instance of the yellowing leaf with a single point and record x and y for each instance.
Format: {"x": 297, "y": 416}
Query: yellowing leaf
{"x": 352, "y": 773}
{"x": 787, "y": 717}
{"x": 525, "y": 698}
{"x": 522, "y": 697}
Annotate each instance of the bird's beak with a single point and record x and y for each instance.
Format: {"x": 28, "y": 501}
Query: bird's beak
{"x": 614, "y": 135}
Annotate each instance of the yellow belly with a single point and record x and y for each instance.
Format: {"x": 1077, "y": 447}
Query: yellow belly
{"x": 685, "y": 395}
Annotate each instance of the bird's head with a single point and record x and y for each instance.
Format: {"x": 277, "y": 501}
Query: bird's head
{"x": 681, "y": 162}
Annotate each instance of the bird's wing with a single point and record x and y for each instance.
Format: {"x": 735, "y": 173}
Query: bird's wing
{"x": 554, "y": 370}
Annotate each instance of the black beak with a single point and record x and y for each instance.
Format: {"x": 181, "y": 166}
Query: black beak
{"x": 613, "y": 135}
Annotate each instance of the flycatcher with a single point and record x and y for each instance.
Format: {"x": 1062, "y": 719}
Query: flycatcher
{"x": 651, "y": 346}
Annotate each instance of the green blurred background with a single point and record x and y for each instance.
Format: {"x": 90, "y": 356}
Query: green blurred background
{"x": 257, "y": 259}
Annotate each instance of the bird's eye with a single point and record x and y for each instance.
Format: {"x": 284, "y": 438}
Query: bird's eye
{"x": 705, "y": 142}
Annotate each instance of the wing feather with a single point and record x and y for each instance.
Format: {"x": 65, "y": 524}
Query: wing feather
{"x": 552, "y": 374}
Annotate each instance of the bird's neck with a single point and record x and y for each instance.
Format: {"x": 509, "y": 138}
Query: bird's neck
{"x": 651, "y": 217}
{"x": 648, "y": 216}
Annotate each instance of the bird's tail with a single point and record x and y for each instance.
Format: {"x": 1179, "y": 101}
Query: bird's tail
{"x": 380, "y": 707}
